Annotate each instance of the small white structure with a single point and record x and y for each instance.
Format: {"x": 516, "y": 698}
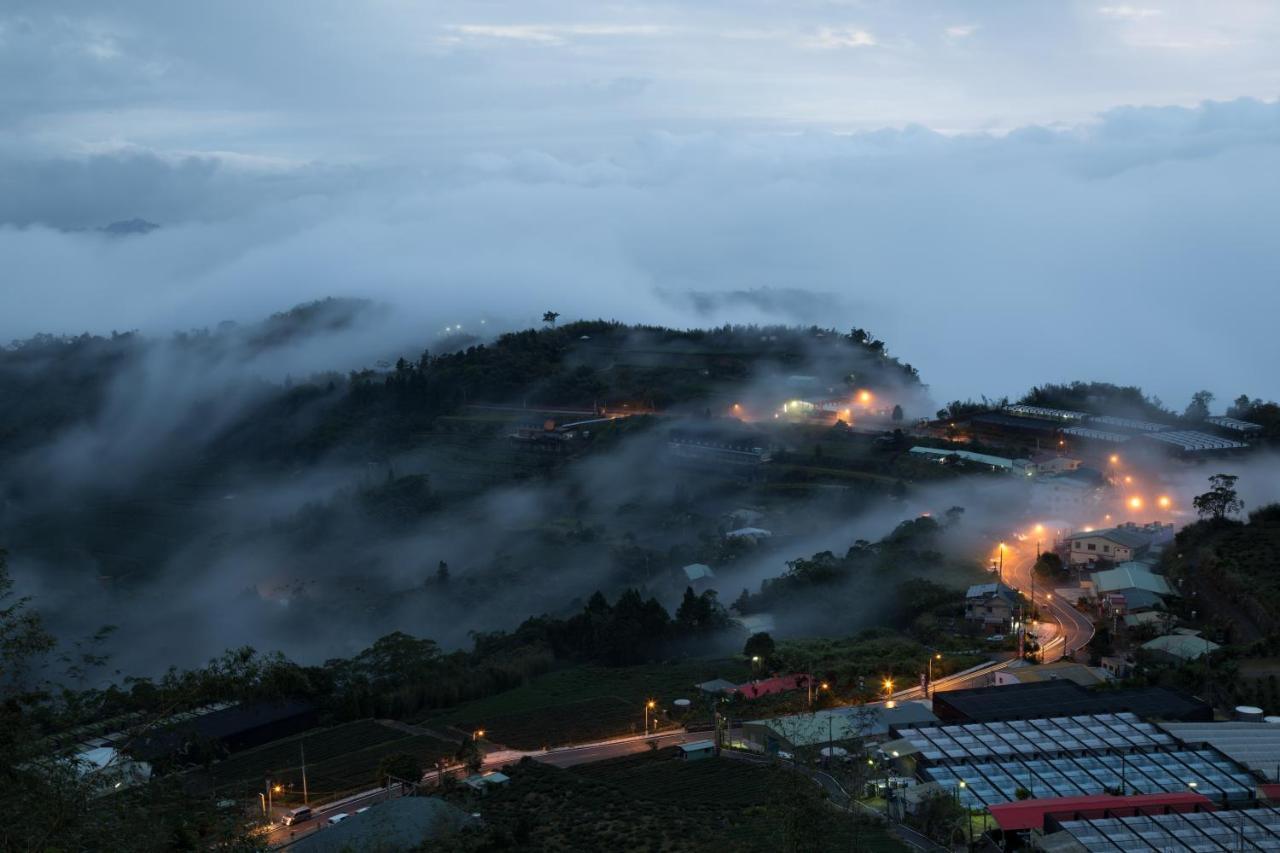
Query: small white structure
{"x": 481, "y": 781}
{"x": 698, "y": 571}
{"x": 755, "y": 534}
{"x": 697, "y": 749}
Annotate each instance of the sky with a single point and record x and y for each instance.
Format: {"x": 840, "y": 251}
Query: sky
{"x": 1008, "y": 193}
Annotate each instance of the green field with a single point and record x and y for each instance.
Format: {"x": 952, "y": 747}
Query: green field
{"x": 588, "y": 702}
{"x": 656, "y": 802}
{"x": 339, "y": 759}
{"x": 575, "y": 722}
{"x": 664, "y": 777}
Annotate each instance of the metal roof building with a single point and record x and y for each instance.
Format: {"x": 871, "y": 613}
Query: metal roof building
{"x": 1244, "y": 829}
{"x": 1096, "y": 434}
{"x": 1023, "y": 411}
{"x": 1061, "y": 697}
{"x": 838, "y": 724}
{"x": 1255, "y": 745}
{"x": 1034, "y": 814}
{"x": 1070, "y": 757}
{"x": 1128, "y": 423}
{"x": 1131, "y": 576}
{"x": 1181, "y": 646}
{"x": 1234, "y": 425}
{"x": 1191, "y": 441}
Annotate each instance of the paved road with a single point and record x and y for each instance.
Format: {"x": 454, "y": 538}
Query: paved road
{"x": 1075, "y": 628}
{"x": 569, "y": 756}
{"x": 280, "y": 835}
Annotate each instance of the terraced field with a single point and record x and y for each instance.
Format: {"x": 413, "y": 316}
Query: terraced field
{"x": 665, "y": 777}
{"x": 574, "y": 722}
{"x": 589, "y": 702}
{"x": 339, "y": 759}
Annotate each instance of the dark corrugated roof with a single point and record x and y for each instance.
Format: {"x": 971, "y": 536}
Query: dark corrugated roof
{"x": 1060, "y": 698}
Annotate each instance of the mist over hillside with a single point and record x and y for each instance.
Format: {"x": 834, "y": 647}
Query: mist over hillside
{"x": 209, "y": 490}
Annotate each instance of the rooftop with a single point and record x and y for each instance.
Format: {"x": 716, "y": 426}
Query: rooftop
{"x": 1064, "y": 698}
{"x": 1192, "y": 441}
{"x": 1255, "y": 745}
{"x": 848, "y": 723}
{"x": 980, "y": 458}
{"x": 1023, "y": 411}
{"x": 1096, "y": 434}
{"x": 1182, "y": 646}
{"x": 1171, "y": 771}
{"x": 1131, "y": 576}
{"x": 1031, "y": 814}
{"x": 992, "y": 590}
{"x": 400, "y": 824}
{"x": 698, "y": 571}
{"x": 1129, "y": 538}
{"x": 1128, "y": 423}
{"x": 1233, "y": 424}
{"x": 697, "y": 746}
{"x": 1046, "y": 736}
{"x": 1243, "y": 829}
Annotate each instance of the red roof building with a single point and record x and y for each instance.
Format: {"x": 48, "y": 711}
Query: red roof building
{"x": 769, "y": 686}
{"x": 1032, "y": 814}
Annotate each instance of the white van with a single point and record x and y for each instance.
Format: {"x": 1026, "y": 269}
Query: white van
{"x": 297, "y": 815}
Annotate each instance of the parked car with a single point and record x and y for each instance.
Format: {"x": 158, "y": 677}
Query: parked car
{"x": 338, "y": 818}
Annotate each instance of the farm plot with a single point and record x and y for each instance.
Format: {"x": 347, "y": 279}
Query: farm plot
{"x": 573, "y": 722}
{"x": 568, "y": 688}
{"x": 359, "y": 769}
{"x": 282, "y": 759}
{"x": 664, "y": 777}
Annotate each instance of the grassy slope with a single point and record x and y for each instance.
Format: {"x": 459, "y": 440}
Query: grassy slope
{"x": 653, "y": 803}
{"x": 586, "y": 702}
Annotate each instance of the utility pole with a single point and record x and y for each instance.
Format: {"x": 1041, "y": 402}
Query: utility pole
{"x": 268, "y": 801}
{"x": 303, "y": 747}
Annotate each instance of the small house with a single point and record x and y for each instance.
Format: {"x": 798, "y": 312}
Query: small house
{"x": 697, "y": 750}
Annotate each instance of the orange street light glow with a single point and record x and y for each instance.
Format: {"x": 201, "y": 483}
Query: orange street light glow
{"x": 1039, "y": 528}
{"x": 864, "y": 396}
{"x": 1164, "y": 502}
{"x": 1114, "y": 459}
{"x": 1128, "y": 479}
{"x": 1135, "y": 503}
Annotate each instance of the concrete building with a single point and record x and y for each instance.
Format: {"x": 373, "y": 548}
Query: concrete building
{"x": 1050, "y": 462}
{"x": 1119, "y": 544}
{"x": 991, "y": 606}
{"x": 1023, "y": 672}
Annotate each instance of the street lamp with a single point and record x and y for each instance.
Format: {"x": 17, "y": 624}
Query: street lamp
{"x": 648, "y": 706}
{"x": 888, "y": 687}
{"x": 477, "y": 734}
